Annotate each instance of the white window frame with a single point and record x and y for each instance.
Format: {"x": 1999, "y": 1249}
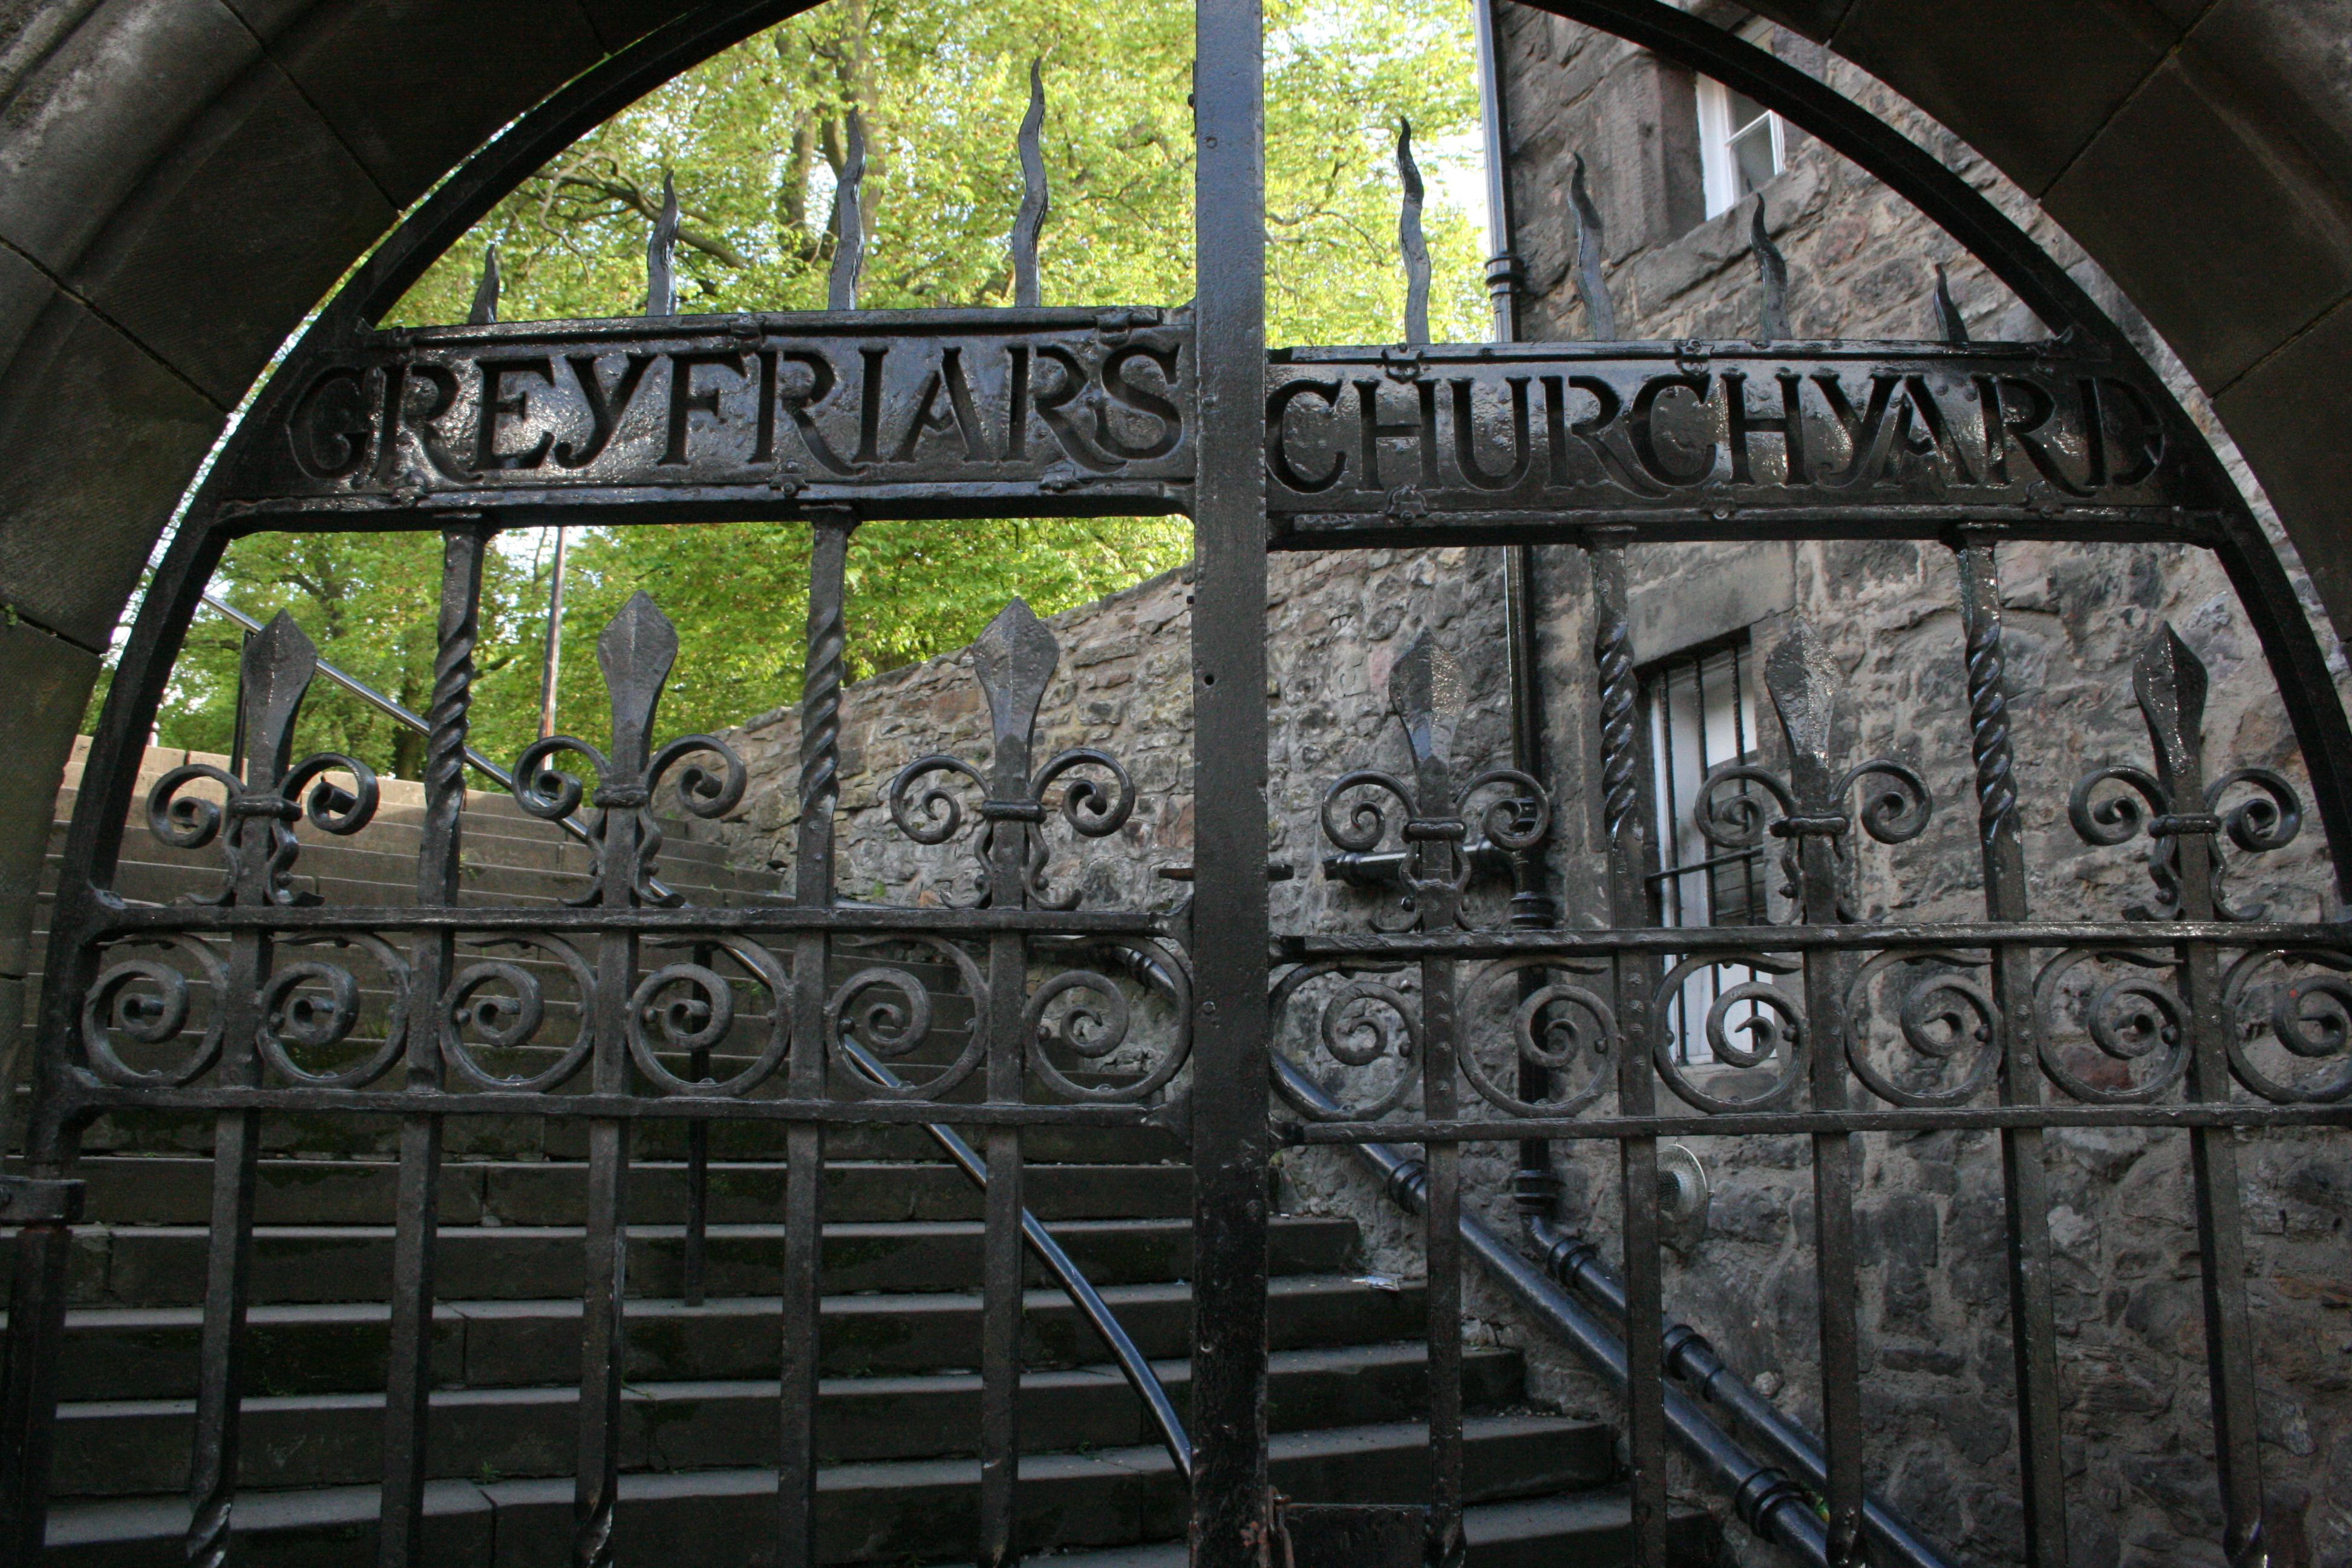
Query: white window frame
{"x": 1718, "y": 163}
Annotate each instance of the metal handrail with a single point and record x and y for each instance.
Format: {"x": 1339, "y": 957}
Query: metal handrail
{"x": 1576, "y": 1262}
{"x": 1765, "y": 1500}
{"x": 1074, "y": 1284}
{"x": 1058, "y": 1263}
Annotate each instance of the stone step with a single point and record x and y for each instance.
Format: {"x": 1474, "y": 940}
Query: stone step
{"x": 889, "y": 1511}
{"x": 116, "y": 1352}
{"x": 343, "y": 1136}
{"x": 1573, "y": 1529}
{"x": 163, "y": 1266}
{"x": 178, "y": 1191}
{"x": 125, "y": 1447}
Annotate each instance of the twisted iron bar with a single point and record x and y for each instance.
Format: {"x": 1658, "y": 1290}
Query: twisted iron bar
{"x": 821, "y": 709}
{"x": 1612, "y": 653}
{"x": 1988, "y": 738}
{"x": 848, "y": 223}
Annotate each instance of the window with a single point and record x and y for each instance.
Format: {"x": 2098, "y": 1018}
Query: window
{"x": 1701, "y": 710}
{"x": 1740, "y": 145}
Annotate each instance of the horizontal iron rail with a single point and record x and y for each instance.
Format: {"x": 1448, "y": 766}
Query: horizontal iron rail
{"x": 1780, "y": 939}
{"x": 1766, "y": 1502}
{"x": 560, "y": 1103}
{"x": 1736, "y": 1123}
{"x": 1132, "y": 1363}
{"x": 744, "y": 919}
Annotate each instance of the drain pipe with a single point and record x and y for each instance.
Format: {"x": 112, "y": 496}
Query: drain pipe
{"x": 1532, "y": 905}
{"x": 1574, "y": 1261}
{"x": 1766, "y": 1501}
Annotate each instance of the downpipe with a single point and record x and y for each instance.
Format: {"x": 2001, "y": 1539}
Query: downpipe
{"x": 1766, "y": 1500}
{"x": 1576, "y": 1262}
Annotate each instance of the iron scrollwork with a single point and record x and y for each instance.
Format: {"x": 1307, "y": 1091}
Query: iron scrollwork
{"x": 636, "y": 653}
{"x": 1080, "y": 1013}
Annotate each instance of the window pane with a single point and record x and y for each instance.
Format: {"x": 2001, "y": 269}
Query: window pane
{"x": 1752, "y": 152}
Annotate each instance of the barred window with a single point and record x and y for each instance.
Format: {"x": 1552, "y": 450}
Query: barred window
{"x": 1701, "y": 710}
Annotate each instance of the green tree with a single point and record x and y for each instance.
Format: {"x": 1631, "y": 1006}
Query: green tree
{"x": 754, "y": 140}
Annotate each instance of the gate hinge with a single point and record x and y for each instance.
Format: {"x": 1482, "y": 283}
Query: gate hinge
{"x": 28, "y": 1200}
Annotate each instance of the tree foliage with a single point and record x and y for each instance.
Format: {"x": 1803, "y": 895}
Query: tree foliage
{"x": 754, "y": 140}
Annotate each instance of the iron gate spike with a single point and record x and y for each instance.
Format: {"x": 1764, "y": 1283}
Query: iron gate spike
{"x": 1591, "y": 286}
{"x": 661, "y": 254}
{"x": 1036, "y": 197}
{"x": 1772, "y": 272}
{"x": 485, "y": 309}
{"x": 848, "y": 220}
{"x": 1411, "y": 242}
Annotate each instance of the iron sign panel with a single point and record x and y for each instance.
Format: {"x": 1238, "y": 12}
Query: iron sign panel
{"x": 936, "y": 413}
{"x": 1707, "y": 437}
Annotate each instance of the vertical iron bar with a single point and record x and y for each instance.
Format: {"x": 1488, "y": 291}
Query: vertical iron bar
{"x": 408, "y": 1371}
{"x": 552, "y": 665}
{"x": 813, "y": 888}
{"x": 2170, "y": 684}
{"x": 1803, "y": 683}
{"x": 1008, "y": 831}
{"x": 636, "y": 652}
{"x": 2033, "y": 1335}
{"x": 1231, "y": 1517}
{"x": 274, "y": 674}
{"x": 1636, "y": 977}
{"x": 696, "y": 1256}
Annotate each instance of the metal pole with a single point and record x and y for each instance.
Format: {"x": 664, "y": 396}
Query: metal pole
{"x": 555, "y": 664}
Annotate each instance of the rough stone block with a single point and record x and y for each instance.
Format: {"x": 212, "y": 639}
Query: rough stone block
{"x": 2288, "y": 416}
{"x": 92, "y": 452}
{"x": 82, "y": 128}
{"x": 47, "y": 680}
{"x": 413, "y": 86}
{"x": 253, "y": 215}
{"x": 2027, "y": 82}
{"x": 2223, "y": 294}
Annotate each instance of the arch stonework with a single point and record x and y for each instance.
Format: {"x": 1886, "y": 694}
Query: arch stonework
{"x": 184, "y": 179}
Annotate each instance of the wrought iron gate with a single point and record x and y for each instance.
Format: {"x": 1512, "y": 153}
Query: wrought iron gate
{"x": 841, "y": 416}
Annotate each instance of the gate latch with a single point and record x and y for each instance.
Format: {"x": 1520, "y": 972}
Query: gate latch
{"x": 1351, "y": 1536}
{"x": 26, "y": 1200}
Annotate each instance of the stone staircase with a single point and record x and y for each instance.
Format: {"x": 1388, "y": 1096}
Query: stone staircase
{"x": 899, "y": 1404}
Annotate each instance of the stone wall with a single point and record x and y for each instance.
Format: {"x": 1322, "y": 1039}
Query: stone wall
{"x": 1934, "y": 1304}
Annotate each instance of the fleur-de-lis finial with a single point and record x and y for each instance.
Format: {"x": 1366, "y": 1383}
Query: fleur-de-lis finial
{"x": 1772, "y": 272}
{"x": 661, "y": 254}
{"x": 1410, "y": 243}
{"x": 1037, "y": 199}
{"x": 2170, "y": 683}
{"x": 485, "y": 291}
{"x": 259, "y": 850}
{"x": 1591, "y": 248}
{"x": 1014, "y": 660}
{"x": 636, "y": 653}
{"x": 1952, "y": 326}
{"x": 1803, "y": 679}
{"x": 848, "y": 220}
{"x": 1425, "y": 692}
